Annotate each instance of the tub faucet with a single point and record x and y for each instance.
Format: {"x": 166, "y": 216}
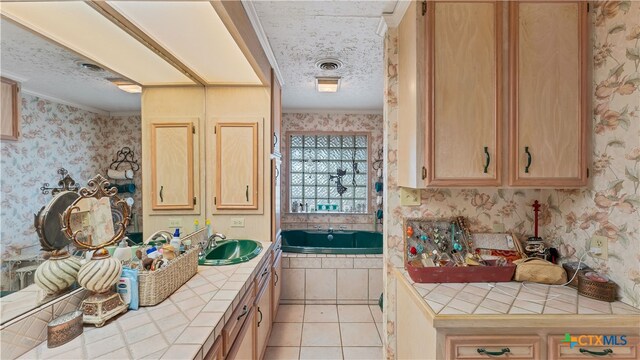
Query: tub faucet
{"x": 330, "y": 229}
{"x": 211, "y": 243}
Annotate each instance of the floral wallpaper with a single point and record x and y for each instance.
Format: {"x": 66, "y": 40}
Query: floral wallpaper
{"x": 310, "y": 122}
{"x": 53, "y": 136}
{"x": 607, "y": 207}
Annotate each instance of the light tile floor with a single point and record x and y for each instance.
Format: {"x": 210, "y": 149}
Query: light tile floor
{"x": 326, "y": 332}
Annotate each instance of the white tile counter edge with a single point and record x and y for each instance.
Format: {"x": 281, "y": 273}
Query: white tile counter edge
{"x": 195, "y": 338}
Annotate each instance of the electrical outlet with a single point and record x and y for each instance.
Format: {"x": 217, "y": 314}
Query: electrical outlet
{"x": 409, "y": 197}
{"x": 237, "y": 222}
{"x": 175, "y": 223}
{"x": 599, "y": 247}
{"x": 498, "y": 228}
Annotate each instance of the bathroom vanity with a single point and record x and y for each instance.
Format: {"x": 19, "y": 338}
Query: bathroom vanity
{"x": 223, "y": 312}
{"x": 510, "y": 320}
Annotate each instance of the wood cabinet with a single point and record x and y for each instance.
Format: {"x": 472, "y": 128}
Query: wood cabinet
{"x": 559, "y": 350}
{"x": 416, "y": 337}
{"x": 263, "y": 317}
{"x": 172, "y": 180}
{"x": 237, "y": 155}
{"x": 463, "y": 93}
{"x": 276, "y": 280}
{"x": 243, "y": 348}
{"x": 452, "y": 109}
{"x": 216, "y": 352}
{"x": 276, "y": 157}
{"x": 548, "y": 57}
{"x": 483, "y": 347}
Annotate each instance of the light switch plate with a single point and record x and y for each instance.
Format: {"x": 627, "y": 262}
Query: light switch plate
{"x": 237, "y": 222}
{"x": 409, "y": 197}
{"x": 599, "y": 247}
{"x": 175, "y": 223}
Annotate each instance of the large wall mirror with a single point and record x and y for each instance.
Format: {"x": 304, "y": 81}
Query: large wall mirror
{"x": 70, "y": 114}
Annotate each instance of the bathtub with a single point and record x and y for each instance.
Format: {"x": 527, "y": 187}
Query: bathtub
{"x": 336, "y": 242}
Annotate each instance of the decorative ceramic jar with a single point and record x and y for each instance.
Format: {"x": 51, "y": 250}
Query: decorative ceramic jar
{"x": 100, "y": 273}
{"x": 58, "y": 273}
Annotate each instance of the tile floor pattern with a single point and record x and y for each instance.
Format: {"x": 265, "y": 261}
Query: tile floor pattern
{"x": 326, "y": 332}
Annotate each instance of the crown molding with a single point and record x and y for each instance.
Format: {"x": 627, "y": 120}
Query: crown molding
{"x": 125, "y": 113}
{"x": 13, "y": 76}
{"x": 336, "y": 111}
{"x": 26, "y": 90}
{"x": 393, "y": 19}
{"x": 262, "y": 37}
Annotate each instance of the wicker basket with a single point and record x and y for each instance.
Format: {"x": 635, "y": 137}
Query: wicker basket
{"x": 155, "y": 286}
{"x": 596, "y": 290}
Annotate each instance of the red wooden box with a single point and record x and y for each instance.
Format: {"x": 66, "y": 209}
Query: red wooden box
{"x": 461, "y": 274}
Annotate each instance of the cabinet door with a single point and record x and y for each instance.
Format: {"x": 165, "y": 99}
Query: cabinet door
{"x": 277, "y": 284}
{"x": 464, "y": 72}
{"x": 216, "y": 352}
{"x": 244, "y": 346}
{"x": 237, "y": 166}
{"x": 263, "y": 317}
{"x": 172, "y": 166}
{"x": 548, "y": 100}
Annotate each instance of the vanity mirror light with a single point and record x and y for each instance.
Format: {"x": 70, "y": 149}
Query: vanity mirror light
{"x": 90, "y": 223}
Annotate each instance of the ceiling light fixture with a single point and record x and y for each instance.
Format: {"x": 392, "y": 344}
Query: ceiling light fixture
{"x": 90, "y": 66}
{"x": 126, "y": 85}
{"x": 327, "y": 84}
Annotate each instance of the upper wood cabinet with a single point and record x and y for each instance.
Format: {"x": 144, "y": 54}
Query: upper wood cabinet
{"x": 464, "y": 68}
{"x": 172, "y": 166}
{"x": 549, "y": 93}
{"x": 237, "y": 154}
{"x": 453, "y": 98}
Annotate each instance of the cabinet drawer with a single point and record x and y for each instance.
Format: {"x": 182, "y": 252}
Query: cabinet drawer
{"x": 489, "y": 347}
{"x": 239, "y": 316}
{"x": 261, "y": 276}
{"x": 561, "y": 350}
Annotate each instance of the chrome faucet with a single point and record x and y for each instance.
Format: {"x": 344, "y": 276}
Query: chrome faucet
{"x": 211, "y": 243}
{"x": 330, "y": 229}
{"x": 342, "y": 227}
{"x": 164, "y": 234}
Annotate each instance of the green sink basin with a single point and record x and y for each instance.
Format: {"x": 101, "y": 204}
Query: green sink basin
{"x": 231, "y": 252}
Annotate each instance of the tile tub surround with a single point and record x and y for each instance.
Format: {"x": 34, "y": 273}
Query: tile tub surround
{"x": 338, "y": 122}
{"x": 326, "y": 332}
{"x": 608, "y": 207}
{"x": 183, "y": 326}
{"x": 331, "y": 279}
{"x": 52, "y": 136}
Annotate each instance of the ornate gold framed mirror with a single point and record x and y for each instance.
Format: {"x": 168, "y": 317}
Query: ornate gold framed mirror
{"x": 96, "y": 219}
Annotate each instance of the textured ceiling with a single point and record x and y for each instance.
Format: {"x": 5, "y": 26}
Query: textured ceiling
{"x": 303, "y": 32}
{"x": 51, "y": 70}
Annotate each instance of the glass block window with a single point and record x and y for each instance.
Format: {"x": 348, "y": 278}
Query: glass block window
{"x": 328, "y": 173}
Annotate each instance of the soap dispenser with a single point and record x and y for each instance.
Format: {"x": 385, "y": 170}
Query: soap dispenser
{"x": 175, "y": 241}
{"x": 123, "y": 251}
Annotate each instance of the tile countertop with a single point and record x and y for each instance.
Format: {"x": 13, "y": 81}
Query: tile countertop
{"x": 450, "y": 304}
{"x": 183, "y": 326}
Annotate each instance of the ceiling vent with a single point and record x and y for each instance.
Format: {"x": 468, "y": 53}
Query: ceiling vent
{"x": 329, "y": 64}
